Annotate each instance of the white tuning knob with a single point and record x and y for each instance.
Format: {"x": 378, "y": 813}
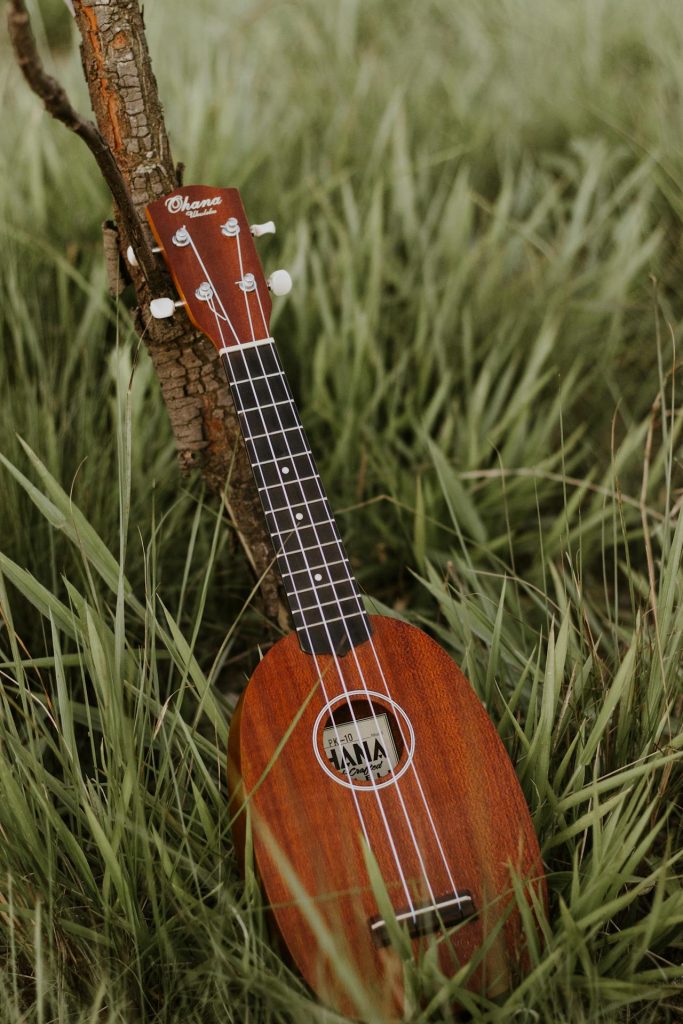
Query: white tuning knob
{"x": 279, "y": 282}
{"x": 162, "y": 308}
{"x": 132, "y": 258}
{"x": 263, "y": 229}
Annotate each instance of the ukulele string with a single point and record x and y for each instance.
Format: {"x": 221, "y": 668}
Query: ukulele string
{"x": 342, "y": 679}
{"x": 288, "y": 505}
{"x": 218, "y": 317}
{"x": 244, "y": 291}
{"x": 380, "y": 669}
{"x": 359, "y": 671}
{"x": 224, "y": 316}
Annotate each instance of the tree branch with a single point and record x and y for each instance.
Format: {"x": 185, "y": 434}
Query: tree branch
{"x": 57, "y": 103}
{"x": 130, "y": 144}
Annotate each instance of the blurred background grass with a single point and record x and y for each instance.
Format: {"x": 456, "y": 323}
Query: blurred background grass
{"x": 481, "y": 209}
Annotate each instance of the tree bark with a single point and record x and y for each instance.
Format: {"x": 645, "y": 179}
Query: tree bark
{"x": 131, "y": 133}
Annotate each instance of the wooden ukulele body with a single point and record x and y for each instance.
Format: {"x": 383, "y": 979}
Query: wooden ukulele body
{"x": 386, "y": 818}
{"x": 448, "y": 818}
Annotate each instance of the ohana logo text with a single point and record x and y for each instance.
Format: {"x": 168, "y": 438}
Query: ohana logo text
{"x": 199, "y": 208}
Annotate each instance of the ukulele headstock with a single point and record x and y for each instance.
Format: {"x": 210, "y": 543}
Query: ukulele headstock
{"x": 205, "y": 239}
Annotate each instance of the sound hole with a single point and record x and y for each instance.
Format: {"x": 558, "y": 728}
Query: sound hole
{"x": 362, "y": 741}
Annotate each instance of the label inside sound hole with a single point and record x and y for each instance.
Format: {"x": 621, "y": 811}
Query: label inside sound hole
{"x": 361, "y": 750}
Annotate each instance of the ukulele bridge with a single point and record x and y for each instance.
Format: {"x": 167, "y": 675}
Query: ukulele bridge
{"x": 426, "y": 918}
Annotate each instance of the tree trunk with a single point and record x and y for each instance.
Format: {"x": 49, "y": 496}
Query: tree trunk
{"x": 130, "y": 120}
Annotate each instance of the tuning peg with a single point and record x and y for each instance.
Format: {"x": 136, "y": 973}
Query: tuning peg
{"x": 263, "y": 229}
{"x": 279, "y": 282}
{"x": 132, "y": 258}
{"x": 162, "y": 308}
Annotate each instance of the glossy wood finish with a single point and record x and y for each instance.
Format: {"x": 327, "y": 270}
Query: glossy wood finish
{"x": 212, "y": 257}
{"x": 450, "y": 817}
{"x": 306, "y": 828}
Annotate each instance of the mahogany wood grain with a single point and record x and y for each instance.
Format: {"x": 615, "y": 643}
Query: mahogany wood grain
{"x": 302, "y": 818}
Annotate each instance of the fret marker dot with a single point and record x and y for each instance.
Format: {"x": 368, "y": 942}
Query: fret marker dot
{"x": 299, "y": 515}
{"x": 285, "y": 469}
{"x": 317, "y": 577}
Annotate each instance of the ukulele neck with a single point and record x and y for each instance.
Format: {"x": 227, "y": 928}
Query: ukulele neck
{"x": 323, "y": 596}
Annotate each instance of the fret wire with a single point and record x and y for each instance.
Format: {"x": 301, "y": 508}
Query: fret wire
{"x": 291, "y": 551}
{"x": 310, "y": 566}
{"x": 307, "y": 590}
{"x": 323, "y": 604}
{"x": 289, "y": 475}
{"x": 310, "y": 526}
{"x": 344, "y": 581}
{"x": 299, "y": 480}
{"x": 325, "y": 565}
{"x": 306, "y": 500}
{"x": 260, "y": 376}
{"x": 296, "y": 504}
{"x": 337, "y": 618}
{"x": 323, "y": 583}
{"x": 268, "y": 413}
{"x": 273, "y": 433}
{"x": 278, "y": 458}
{"x": 313, "y": 547}
{"x": 285, "y": 458}
{"x": 301, "y": 526}
{"x": 268, "y": 405}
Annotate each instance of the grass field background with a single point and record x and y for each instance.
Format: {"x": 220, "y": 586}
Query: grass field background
{"x": 480, "y": 205}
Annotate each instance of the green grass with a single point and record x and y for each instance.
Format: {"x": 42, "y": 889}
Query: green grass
{"x": 481, "y": 208}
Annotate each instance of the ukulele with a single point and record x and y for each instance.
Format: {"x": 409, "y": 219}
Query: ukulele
{"x": 385, "y": 817}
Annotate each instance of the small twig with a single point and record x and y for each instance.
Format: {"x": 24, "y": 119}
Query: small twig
{"x": 647, "y": 458}
{"x": 58, "y": 105}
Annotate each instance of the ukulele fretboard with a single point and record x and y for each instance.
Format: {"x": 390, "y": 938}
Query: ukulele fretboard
{"x": 323, "y": 595}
